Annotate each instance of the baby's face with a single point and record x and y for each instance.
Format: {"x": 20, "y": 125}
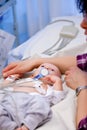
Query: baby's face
{"x": 52, "y": 69}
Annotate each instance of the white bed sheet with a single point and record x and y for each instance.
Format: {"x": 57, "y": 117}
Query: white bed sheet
{"x": 46, "y": 38}
{"x": 50, "y": 34}
{"x": 63, "y": 112}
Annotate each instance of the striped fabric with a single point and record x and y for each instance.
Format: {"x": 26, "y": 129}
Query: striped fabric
{"x": 82, "y": 64}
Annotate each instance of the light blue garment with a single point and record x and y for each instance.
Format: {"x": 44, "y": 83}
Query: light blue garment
{"x": 23, "y": 108}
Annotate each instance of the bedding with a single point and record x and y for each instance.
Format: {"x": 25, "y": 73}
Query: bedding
{"x": 63, "y": 112}
{"x": 47, "y": 37}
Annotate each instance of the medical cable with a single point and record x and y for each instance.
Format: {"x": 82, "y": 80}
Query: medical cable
{"x": 47, "y": 51}
{"x": 59, "y": 39}
{"x": 43, "y": 72}
{"x": 62, "y": 20}
{"x": 65, "y": 37}
{"x": 62, "y": 44}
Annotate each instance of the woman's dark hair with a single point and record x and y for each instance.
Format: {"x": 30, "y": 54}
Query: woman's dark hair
{"x": 82, "y": 6}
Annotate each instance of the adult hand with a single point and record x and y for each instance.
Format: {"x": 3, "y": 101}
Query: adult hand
{"x": 75, "y": 77}
{"x": 19, "y": 67}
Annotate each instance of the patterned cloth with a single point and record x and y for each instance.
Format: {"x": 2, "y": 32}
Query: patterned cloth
{"x": 82, "y": 61}
{"x": 83, "y": 124}
{"x": 82, "y": 64}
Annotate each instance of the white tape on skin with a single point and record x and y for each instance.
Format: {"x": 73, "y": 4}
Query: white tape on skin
{"x": 11, "y": 78}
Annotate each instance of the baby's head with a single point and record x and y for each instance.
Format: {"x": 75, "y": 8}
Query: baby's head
{"x": 52, "y": 69}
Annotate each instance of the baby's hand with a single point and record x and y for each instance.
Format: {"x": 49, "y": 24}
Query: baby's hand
{"x": 24, "y": 127}
{"x": 18, "y": 129}
{"x": 53, "y": 79}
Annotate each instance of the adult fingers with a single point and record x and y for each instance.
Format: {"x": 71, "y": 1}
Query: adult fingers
{"x": 11, "y": 72}
{"x": 9, "y": 67}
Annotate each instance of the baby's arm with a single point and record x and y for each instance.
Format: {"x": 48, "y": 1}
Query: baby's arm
{"x": 56, "y": 82}
{"x": 9, "y": 79}
{"x": 23, "y": 85}
{"x": 56, "y": 93}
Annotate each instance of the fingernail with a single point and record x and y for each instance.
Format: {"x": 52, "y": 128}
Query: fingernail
{"x": 4, "y": 74}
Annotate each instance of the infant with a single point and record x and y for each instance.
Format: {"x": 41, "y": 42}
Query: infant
{"x": 35, "y": 95}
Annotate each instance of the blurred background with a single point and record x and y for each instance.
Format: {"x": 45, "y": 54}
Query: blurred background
{"x": 24, "y": 18}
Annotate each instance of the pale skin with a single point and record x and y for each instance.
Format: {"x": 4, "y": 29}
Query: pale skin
{"x": 75, "y": 78}
{"x": 64, "y": 63}
{"x": 53, "y": 78}
{"x": 50, "y": 79}
{"x": 22, "y": 128}
{"x": 22, "y": 67}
